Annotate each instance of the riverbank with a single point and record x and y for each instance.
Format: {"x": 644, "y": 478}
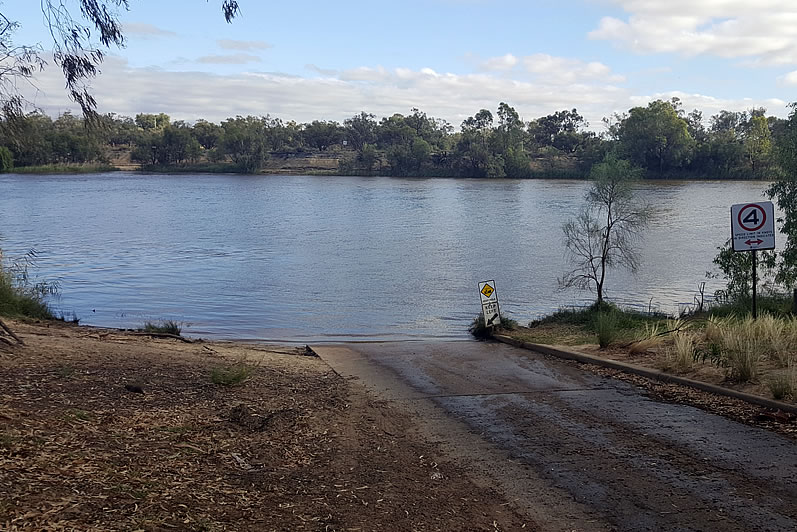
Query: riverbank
{"x": 67, "y": 169}
{"x": 102, "y": 429}
{"x": 336, "y": 162}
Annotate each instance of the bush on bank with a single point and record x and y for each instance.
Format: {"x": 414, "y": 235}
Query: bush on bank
{"x": 480, "y": 330}
{"x": 19, "y": 298}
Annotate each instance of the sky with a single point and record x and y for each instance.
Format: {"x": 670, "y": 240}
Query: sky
{"x": 329, "y": 60}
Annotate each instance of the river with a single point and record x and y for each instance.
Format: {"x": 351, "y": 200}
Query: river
{"x": 295, "y": 258}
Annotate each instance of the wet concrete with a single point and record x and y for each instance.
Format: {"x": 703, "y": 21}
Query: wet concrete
{"x": 580, "y": 451}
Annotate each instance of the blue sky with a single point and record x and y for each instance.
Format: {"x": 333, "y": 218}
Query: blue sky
{"x": 305, "y": 60}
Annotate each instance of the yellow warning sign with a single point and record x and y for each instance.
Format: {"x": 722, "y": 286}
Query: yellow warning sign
{"x": 488, "y": 290}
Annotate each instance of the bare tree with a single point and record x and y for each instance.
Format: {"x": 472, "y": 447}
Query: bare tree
{"x": 604, "y": 233}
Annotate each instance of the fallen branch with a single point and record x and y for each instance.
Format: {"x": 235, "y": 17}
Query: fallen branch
{"x": 11, "y": 333}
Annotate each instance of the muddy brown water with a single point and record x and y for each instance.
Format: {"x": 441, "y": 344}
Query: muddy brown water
{"x": 580, "y": 451}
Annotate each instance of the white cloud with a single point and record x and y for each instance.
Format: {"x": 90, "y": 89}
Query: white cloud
{"x": 144, "y": 30}
{"x": 764, "y": 31}
{"x": 230, "y": 44}
{"x": 336, "y": 96}
{"x": 500, "y": 64}
{"x": 323, "y": 71}
{"x": 790, "y": 78}
{"x": 231, "y": 59}
{"x": 711, "y": 105}
{"x": 549, "y": 68}
{"x": 361, "y": 74}
{"x": 568, "y": 70}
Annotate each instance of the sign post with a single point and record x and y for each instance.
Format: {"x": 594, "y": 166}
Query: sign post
{"x": 489, "y": 298}
{"x": 753, "y": 229}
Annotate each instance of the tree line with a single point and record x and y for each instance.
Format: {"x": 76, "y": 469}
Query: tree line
{"x": 661, "y": 138}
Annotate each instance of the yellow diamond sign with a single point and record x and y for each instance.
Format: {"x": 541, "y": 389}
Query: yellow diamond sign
{"x": 487, "y": 290}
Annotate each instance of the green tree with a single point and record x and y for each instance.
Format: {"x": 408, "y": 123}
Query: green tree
{"x": 6, "y": 159}
{"x": 758, "y": 142}
{"x": 517, "y": 163}
{"x": 784, "y": 192}
{"x": 563, "y": 130}
{"x": 510, "y": 132}
{"x": 29, "y": 137}
{"x": 394, "y": 130}
{"x": 410, "y": 141}
{"x": 244, "y": 141}
{"x": 360, "y": 130}
{"x": 431, "y": 130}
{"x": 176, "y": 145}
{"x": 150, "y": 121}
{"x": 736, "y": 269}
{"x": 603, "y": 234}
{"x": 655, "y": 137}
{"x": 473, "y": 148}
{"x": 121, "y": 130}
{"x": 206, "y": 133}
{"x": 367, "y": 156}
{"x": 322, "y": 134}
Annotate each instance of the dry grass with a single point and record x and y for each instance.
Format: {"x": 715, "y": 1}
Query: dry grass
{"x": 649, "y": 338}
{"x": 743, "y": 355}
{"x": 682, "y": 353}
{"x": 714, "y": 329}
{"x": 779, "y": 337}
{"x": 743, "y": 344}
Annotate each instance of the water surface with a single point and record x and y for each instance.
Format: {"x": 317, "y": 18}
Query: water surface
{"x": 327, "y": 258}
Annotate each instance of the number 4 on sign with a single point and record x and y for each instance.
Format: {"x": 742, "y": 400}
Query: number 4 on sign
{"x": 751, "y": 218}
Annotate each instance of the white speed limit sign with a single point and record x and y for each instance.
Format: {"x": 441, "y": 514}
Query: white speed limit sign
{"x": 753, "y": 226}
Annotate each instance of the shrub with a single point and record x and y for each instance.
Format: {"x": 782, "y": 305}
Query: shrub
{"x": 19, "y": 296}
{"x": 479, "y": 330}
{"x": 781, "y": 385}
{"x": 605, "y": 325}
{"x": 162, "y": 327}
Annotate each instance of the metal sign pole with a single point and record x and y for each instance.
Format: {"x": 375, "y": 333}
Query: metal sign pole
{"x": 755, "y": 282}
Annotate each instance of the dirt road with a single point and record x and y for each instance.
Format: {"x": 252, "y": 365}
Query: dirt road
{"x": 577, "y": 451}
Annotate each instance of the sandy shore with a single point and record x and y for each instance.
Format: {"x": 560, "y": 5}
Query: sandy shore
{"x": 291, "y": 447}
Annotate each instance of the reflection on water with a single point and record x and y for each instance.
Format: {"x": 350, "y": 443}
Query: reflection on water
{"x": 314, "y": 258}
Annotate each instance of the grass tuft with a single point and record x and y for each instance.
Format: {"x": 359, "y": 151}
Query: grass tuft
{"x": 162, "y": 327}
{"x": 682, "y": 353}
{"x": 647, "y": 339}
{"x": 743, "y": 352}
{"x": 231, "y": 375}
